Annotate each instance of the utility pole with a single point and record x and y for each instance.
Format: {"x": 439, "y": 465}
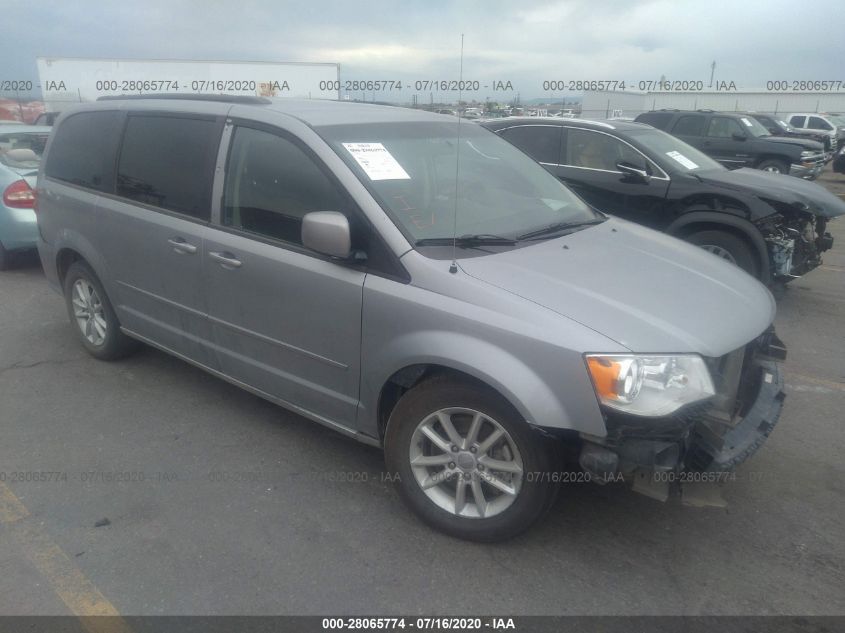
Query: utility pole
{"x": 712, "y": 72}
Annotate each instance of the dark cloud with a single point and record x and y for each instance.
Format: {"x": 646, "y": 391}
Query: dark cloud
{"x": 525, "y": 43}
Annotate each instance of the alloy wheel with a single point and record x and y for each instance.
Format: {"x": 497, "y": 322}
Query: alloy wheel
{"x": 88, "y": 311}
{"x": 718, "y": 251}
{"x": 466, "y": 463}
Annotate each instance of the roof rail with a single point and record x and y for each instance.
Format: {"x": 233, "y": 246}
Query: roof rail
{"x": 245, "y": 99}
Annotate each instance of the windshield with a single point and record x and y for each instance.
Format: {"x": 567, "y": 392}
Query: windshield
{"x": 22, "y": 150}
{"x": 410, "y": 168}
{"x": 754, "y": 127}
{"x": 671, "y": 153}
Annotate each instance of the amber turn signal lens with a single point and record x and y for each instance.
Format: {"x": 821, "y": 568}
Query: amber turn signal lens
{"x": 605, "y": 373}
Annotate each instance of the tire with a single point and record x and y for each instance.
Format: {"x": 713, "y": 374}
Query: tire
{"x": 727, "y": 246}
{"x": 5, "y": 258}
{"x": 774, "y": 166}
{"x": 496, "y": 515}
{"x": 86, "y": 300}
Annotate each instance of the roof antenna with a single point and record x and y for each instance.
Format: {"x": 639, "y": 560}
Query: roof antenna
{"x": 453, "y": 268}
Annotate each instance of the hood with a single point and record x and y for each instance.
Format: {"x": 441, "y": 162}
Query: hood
{"x": 806, "y": 143}
{"x": 645, "y": 290}
{"x": 786, "y": 189}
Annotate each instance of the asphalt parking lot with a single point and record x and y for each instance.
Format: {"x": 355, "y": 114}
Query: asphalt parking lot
{"x": 234, "y": 506}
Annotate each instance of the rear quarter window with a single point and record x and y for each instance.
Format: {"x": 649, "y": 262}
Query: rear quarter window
{"x": 540, "y": 142}
{"x": 83, "y": 150}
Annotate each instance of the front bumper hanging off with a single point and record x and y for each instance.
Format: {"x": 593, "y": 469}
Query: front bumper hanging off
{"x": 716, "y": 437}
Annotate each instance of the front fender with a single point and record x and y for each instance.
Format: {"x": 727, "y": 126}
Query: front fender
{"x": 748, "y": 230}
{"x": 537, "y": 402}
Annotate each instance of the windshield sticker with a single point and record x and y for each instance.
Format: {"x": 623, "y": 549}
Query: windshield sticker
{"x": 683, "y": 160}
{"x": 376, "y": 161}
{"x": 746, "y": 121}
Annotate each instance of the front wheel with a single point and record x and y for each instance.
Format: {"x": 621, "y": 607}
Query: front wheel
{"x": 729, "y": 247}
{"x": 774, "y": 166}
{"x": 466, "y": 463}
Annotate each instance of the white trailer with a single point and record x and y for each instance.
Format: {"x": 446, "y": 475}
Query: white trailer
{"x": 72, "y": 80}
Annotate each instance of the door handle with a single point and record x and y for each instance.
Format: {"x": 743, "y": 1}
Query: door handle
{"x": 226, "y": 259}
{"x": 181, "y": 246}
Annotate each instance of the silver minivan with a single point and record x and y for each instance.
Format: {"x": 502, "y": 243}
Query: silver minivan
{"x": 412, "y": 281}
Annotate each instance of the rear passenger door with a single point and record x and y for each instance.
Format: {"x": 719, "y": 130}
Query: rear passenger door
{"x": 152, "y": 229}
{"x": 286, "y": 320}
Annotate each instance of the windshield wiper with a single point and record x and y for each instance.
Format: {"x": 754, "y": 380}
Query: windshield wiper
{"x": 557, "y": 227}
{"x": 467, "y": 241}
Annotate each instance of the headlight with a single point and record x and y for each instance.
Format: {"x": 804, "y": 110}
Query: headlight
{"x": 649, "y": 385}
{"x": 808, "y": 154}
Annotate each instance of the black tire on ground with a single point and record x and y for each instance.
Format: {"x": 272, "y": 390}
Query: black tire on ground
{"x": 774, "y": 165}
{"x": 5, "y": 258}
{"x": 115, "y": 344}
{"x": 536, "y": 494}
{"x": 739, "y": 249}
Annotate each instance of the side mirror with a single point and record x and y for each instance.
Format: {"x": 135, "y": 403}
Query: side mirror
{"x": 327, "y": 232}
{"x": 738, "y": 136}
{"x": 632, "y": 172}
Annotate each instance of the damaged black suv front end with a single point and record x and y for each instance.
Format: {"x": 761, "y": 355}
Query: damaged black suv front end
{"x": 795, "y": 239}
{"x": 713, "y": 436}
{"x": 791, "y": 216}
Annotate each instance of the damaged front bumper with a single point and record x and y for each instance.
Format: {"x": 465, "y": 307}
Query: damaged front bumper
{"x": 809, "y": 170}
{"x": 715, "y": 437}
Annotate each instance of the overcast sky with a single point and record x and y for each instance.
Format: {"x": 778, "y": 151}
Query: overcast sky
{"x": 525, "y": 42}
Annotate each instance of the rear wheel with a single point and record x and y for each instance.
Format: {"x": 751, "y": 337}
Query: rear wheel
{"x": 5, "y": 258}
{"x": 728, "y": 246}
{"x": 467, "y": 464}
{"x": 92, "y": 315}
{"x": 774, "y": 166}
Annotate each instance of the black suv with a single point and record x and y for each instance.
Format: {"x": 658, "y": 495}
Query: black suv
{"x": 770, "y": 225}
{"x": 737, "y": 140}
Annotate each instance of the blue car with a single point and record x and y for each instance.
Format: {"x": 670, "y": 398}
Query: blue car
{"x": 21, "y": 147}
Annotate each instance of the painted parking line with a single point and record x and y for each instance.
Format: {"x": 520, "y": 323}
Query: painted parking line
{"x": 77, "y": 592}
{"x": 826, "y": 385}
